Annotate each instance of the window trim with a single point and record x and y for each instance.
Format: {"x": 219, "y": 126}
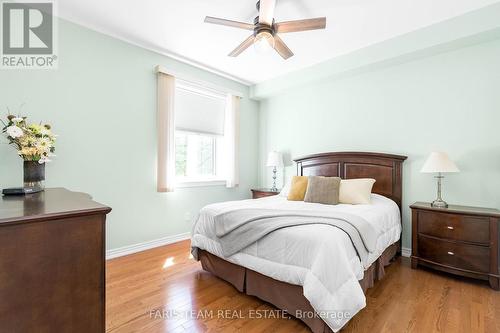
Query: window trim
{"x": 200, "y": 183}
{"x": 199, "y": 89}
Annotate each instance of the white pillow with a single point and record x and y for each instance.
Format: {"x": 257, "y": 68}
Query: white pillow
{"x": 356, "y": 191}
{"x": 286, "y": 188}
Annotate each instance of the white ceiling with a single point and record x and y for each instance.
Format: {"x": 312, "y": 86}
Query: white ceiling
{"x": 177, "y": 28}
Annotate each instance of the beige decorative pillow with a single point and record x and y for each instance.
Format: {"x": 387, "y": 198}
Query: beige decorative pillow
{"x": 323, "y": 190}
{"x": 356, "y": 191}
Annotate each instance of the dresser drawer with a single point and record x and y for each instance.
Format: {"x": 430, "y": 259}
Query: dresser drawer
{"x": 456, "y": 227}
{"x": 458, "y": 255}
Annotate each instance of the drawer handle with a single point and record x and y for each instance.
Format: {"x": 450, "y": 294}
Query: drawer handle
{"x": 450, "y": 227}
{"x": 451, "y": 253}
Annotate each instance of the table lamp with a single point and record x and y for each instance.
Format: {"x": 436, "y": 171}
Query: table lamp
{"x": 439, "y": 162}
{"x": 275, "y": 160}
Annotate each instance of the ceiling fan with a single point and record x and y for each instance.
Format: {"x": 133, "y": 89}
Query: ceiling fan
{"x": 265, "y": 30}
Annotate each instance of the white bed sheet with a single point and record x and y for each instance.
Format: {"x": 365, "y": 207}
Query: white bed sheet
{"x": 291, "y": 254}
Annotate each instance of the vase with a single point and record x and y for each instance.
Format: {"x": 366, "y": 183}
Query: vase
{"x": 34, "y": 174}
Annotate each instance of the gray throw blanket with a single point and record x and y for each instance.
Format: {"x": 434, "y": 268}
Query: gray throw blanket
{"x": 240, "y": 228}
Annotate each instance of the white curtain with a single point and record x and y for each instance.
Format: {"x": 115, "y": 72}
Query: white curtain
{"x": 232, "y": 140}
{"x": 166, "y": 133}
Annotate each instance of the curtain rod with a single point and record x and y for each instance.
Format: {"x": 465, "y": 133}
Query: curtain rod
{"x": 180, "y": 76}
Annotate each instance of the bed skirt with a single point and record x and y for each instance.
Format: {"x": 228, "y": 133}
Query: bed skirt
{"x": 283, "y": 295}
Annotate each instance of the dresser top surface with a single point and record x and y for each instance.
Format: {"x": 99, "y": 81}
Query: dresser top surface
{"x": 51, "y": 203}
{"x": 480, "y": 211}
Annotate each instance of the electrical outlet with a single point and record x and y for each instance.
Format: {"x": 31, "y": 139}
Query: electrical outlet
{"x": 188, "y": 216}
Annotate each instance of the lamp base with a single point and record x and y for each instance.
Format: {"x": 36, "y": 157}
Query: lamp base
{"x": 439, "y": 204}
{"x": 274, "y": 189}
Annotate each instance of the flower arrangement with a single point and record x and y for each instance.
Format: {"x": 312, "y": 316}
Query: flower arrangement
{"x": 34, "y": 142}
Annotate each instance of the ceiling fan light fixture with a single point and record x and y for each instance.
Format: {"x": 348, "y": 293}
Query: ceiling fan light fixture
{"x": 263, "y": 42}
{"x": 266, "y": 32}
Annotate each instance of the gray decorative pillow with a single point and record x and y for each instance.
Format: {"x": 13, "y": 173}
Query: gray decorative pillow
{"x": 323, "y": 190}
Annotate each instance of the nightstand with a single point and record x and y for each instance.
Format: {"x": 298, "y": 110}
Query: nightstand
{"x": 263, "y": 192}
{"x": 458, "y": 239}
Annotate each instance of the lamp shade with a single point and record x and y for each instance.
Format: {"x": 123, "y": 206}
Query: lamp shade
{"x": 439, "y": 162}
{"x": 274, "y": 159}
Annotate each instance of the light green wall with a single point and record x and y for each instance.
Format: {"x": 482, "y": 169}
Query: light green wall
{"x": 471, "y": 28}
{"x": 449, "y": 102}
{"x": 102, "y": 103}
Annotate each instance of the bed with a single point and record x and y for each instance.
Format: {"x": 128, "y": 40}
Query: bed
{"x": 313, "y": 268}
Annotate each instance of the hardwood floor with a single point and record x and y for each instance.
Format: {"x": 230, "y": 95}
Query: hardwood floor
{"x": 143, "y": 287}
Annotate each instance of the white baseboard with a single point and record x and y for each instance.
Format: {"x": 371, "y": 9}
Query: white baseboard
{"x": 123, "y": 251}
{"x": 406, "y": 252}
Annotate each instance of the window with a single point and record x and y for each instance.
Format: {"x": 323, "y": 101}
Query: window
{"x": 195, "y": 155}
{"x": 199, "y": 134}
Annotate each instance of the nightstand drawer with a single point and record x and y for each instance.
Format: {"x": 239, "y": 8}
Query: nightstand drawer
{"x": 257, "y": 195}
{"x": 456, "y": 227}
{"x": 462, "y": 240}
{"x": 261, "y": 193}
{"x": 458, "y": 255}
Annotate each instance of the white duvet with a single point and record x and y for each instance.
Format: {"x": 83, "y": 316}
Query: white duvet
{"x": 321, "y": 258}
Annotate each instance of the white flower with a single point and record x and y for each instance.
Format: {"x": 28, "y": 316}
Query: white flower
{"x": 44, "y": 159}
{"x": 14, "y": 131}
{"x": 17, "y": 119}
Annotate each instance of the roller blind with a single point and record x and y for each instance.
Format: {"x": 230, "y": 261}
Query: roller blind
{"x": 198, "y": 111}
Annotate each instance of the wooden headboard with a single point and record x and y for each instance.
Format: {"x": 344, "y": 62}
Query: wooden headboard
{"x": 386, "y": 169}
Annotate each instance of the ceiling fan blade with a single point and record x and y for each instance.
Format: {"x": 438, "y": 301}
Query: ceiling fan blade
{"x": 266, "y": 11}
{"x": 301, "y": 25}
{"x": 229, "y": 23}
{"x": 281, "y": 48}
{"x": 242, "y": 47}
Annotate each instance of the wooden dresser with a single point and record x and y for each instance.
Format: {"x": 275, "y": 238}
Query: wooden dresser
{"x": 458, "y": 239}
{"x": 263, "y": 192}
{"x": 52, "y": 263}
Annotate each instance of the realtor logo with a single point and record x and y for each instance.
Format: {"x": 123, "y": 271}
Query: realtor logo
{"x": 28, "y": 35}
